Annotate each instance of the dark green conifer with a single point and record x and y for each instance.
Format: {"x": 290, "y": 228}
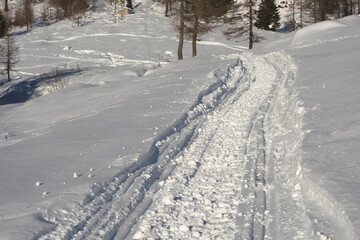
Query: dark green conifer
{"x": 268, "y": 17}
{"x": 129, "y": 4}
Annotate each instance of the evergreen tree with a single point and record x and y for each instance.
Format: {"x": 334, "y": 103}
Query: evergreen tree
{"x": 268, "y": 16}
{"x": 129, "y": 4}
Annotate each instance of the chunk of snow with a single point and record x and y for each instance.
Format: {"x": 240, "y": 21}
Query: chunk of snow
{"x": 38, "y": 183}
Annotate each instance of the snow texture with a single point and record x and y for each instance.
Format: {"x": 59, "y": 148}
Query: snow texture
{"x": 232, "y": 144}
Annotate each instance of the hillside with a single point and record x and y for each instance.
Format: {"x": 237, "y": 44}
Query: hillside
{"x": 234, "y": 144}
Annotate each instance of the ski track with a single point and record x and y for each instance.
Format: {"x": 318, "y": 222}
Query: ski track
{"x": 218, "y": 189}
{"x": 229, "y": 168}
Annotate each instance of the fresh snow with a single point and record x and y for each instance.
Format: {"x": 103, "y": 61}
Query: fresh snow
{"x": 232, "y": 144}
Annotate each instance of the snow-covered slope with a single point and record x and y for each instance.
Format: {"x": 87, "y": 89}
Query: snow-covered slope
{"x": 257, "y": 145}
{"x": 130, "y": 92}
{"x": 328, "y": 83}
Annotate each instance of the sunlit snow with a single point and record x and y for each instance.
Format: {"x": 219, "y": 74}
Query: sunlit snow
{"x": 232, "y": 144}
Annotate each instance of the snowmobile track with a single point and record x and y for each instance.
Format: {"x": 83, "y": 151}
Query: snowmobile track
{"x": 203, "y": 178}
{"x": 217, "y": 191}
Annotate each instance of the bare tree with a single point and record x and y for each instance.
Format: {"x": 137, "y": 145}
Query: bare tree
{"x": 93, "y": 6}
{"x": 201, "y": 16}
{"x": 181, "y": 29}
{"x": 6, "y": 8}
{"x": 45, "y": 16}
{"x": 241, "y": 23}
{"x": 28, "y": 12}
{"x": 8, "y": 54}
{"x": 19, "y": 17}
{"x": 4, "y": 24}
{"x": 168, "y": 4}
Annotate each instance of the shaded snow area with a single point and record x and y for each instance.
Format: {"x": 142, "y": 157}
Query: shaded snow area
{"x": 232, "y": 144}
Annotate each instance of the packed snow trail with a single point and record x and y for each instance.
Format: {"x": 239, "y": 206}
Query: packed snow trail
{"x": 218, "y": 188}
{"x": 216, "y": 173}
{"x": 210, "y": 169}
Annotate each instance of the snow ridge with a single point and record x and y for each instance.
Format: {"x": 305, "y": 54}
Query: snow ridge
{"x": 300, "y": 209}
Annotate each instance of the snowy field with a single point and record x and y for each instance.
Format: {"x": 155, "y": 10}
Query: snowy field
{"x": 232, "y": 144}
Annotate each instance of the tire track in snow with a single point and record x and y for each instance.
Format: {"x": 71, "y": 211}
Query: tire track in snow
{"x": 218, "y": 189}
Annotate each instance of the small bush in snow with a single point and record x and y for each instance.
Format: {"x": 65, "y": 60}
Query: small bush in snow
{"x": 56, "y": 80}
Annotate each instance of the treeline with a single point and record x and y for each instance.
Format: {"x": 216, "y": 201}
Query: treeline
{"x": 64, "y": 9}
{"x": 52, "y": 11}
{"x": 321, "y": 10}
{"x": 195, "y": 17}
{"x": 312, "y": 11}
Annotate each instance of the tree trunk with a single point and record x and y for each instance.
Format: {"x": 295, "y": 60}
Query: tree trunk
{"x": 346, "y": 8}
{"x": 322, "y": 10}
{"x": 6, "y": 8}
{"x": 195, "y": 34}
{"x": 293, "y": 16}
{"x": 251, "y": 34}
{"x": 181, "y": 31}
{"x": 8, "y": 75}
{"x": 8, "y": 61}
{"x": 301, "y": 14}
{"x": 115, "y": 11}
{"x": 166, "y": 8}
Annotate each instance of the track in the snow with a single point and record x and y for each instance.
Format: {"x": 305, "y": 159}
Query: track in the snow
{"x": 111, "y": 208}
{"x": 218, "y": 188}
{"x": 209, "y": 176}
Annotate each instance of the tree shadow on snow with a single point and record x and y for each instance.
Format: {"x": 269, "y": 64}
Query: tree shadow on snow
{"x": 26, "y": 90}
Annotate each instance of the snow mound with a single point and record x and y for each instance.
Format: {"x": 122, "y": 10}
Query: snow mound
{"x": 317, "y": 33}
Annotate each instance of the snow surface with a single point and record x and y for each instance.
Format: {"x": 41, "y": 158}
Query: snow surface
{"x": 242, "y": 145}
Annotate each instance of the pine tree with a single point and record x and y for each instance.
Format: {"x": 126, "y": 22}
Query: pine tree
{"x": 8, "y": 54}
{"x": 268, "y": 16}
{"x": 129, "y": 4}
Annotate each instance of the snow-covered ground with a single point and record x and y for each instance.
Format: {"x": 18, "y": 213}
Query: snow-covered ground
{"x": 230, "y": 144}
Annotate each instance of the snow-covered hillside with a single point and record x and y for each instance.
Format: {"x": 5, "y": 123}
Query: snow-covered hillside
{"x": 230, "y": 144}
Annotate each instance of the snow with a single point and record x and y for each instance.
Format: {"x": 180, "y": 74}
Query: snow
{"x": 317, "y": 32}
{"x": 231, "y": 144}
